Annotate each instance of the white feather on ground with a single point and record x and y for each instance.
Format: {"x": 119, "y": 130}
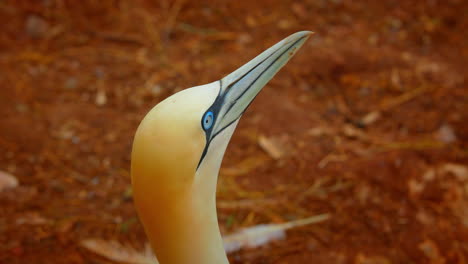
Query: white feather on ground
{"x": 250, "y": 237}
{"x": 259, "y": 235}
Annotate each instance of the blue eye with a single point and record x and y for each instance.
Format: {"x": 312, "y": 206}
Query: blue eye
{"x": 208, "y": 120}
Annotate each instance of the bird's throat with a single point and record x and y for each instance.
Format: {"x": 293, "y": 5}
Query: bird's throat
{"x": 182, "y": 224}
{"x": 187, "y": 233}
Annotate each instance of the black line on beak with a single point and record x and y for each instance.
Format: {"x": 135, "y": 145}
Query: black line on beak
{"x": 220, "y": 99}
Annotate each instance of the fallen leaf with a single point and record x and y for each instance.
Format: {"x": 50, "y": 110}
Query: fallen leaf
{"x": 429, "y": 175}
{"x": 331, "y": 158}
{"x": 115, "y": 251}
{"x": 7, "y": 181}
{"x": 459, "y": 171}
{"x": 32, "y": 219}
{"x": 101, "y": 98}
{"x": 271, "y": 147}
{"x": 352, "y": 132}
{"x": 415, "y": 187}
{"x": 370, "y": 118}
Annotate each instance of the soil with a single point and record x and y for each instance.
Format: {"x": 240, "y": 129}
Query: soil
{"x": 370, "y": 119}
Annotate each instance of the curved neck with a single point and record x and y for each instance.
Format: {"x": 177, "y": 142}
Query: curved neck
{"x": 182, "y": 224}
{"x": 189, "y": 233}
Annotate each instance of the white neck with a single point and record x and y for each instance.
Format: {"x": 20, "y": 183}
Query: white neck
{"x": 204, "y": 187}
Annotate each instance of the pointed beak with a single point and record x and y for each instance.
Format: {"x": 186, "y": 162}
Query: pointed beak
{"x": 240, "y": 88}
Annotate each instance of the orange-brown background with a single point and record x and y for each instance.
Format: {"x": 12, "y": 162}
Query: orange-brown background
{"x": 370, "y": 117}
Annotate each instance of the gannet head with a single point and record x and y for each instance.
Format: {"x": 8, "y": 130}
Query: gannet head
{"x": 177, "y": 153}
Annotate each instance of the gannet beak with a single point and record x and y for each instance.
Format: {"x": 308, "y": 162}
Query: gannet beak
{"x": 240, "y": 88}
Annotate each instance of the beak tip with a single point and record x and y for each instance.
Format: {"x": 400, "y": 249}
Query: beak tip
{"x": 304, "y": 33}
{"x": 302, "y": 36}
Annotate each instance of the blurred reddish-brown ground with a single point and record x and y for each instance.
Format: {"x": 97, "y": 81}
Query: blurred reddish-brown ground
{"x": 371, "y": 117}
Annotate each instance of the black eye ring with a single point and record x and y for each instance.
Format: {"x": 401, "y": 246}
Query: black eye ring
{"x": 208, "y": 120}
